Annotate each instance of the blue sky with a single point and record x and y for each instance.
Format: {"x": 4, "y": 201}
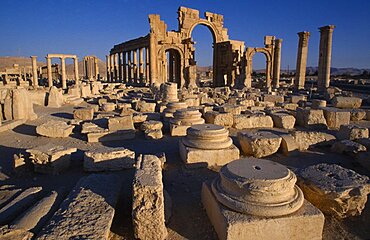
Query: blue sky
{"x": 82, "y": 27}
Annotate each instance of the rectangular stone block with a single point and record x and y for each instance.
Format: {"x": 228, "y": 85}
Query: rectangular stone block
{"x": 178, "y": 130}
{"x": 305, "y": 224}
{"x": 244, "y": 121}
{"x": 148, "y": 199}
{"x": 121, "y": 123}
{"x": 222, "y": 119}
{"x": 107, "y": 136}
{"x": 336, "y": 117}
{"x": 87, "y": 212}
{"x": 347, "y": 102}
{"x": 85, "y": 114}
{"x": 311, "y": 118}
{"x": 108, "y": 159}
{"x": 194, "y": 157}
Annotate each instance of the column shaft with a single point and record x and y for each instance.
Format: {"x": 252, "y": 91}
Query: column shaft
{"x": 35, "y": 79}
{"x": 300, "y": 74}
{"x": 277, "y": 63}
{"x": 326, "y": 38}
{"x": 77, "y": 79}
{"x": 64, "y": 77}
{"x": 107, "y": 59}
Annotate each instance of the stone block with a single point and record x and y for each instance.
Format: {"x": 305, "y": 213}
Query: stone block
{"x": 305, "y": 140}
{"x": 336, "y": 117}
{"x": 55, "y": 97}
{"x": 244, "y": 121}
{"x": 87, "y": 212}
{"x": 178, "y": 130}
{"x": 51, "y": 159}
{"x": 311, "y": 118}
{"x": 335, "y": 190}
{"x": 194, "y": 157}
{"x": 273, "y": 98}
{"x": 318, "y": 103}
{"x": 347, "y": 102}
{"x": 54, "y": 129}
{"x": 348, "y": 147}
{"x": 306, "y": 224}
{"x": 108, "y": 107}
{"x": 259, "y": 144}
{"x": 148, "y": 210}
{"x": 6, "y": 195}
{"x": 145, "y": 107}
{"x": 84, "y": 114}
{"x": 108, "y": 159}
{"x": 357, "y": 114}
{"x": 89, "y": 127}
{"x": 283, "y": 120}
{"x": 10, "y": 233}
{"x": 222, "y": 119}
{"x": 108, "y": 136}
{"x": 288, "y": 144}
{"x": 228, "y": 108}
{"x": 352, "y": 132}
{"x": 121, "y": 123}
{"x": 298, "y": 98}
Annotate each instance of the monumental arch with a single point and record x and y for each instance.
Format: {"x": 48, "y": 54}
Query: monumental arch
{"x": 163, "y": 56}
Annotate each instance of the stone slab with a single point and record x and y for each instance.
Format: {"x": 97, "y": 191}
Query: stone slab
{"x": 10, "y": 124}
{"x": 194, "y": 157}
{"x": 148, "y": 210}
{"x": 107, "y": 136}
{"x": 305, "y": 224}
{"x": 87, "y": 212}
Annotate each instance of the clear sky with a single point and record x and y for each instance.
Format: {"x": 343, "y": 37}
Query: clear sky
{"x": 84, "y": 27}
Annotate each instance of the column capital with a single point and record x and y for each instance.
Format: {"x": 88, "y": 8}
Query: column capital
{"x": 33, "y": 56}
{"x": 304, "y": 34}
{"x": 328, "y": 28}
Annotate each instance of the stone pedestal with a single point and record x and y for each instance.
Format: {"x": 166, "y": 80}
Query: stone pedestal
{"x": 183, "y": 119}
{"x": 207, "y": 145}
{"x": 258, "y": 199}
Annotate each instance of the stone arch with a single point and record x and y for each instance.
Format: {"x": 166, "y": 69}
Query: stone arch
{"x": 269, "y": 62}
{"x": 217, "y": 37}
{"x": 162, "y": 62}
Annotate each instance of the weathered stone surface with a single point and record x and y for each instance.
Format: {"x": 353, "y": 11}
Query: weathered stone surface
{"x": 348, "y": 147}
{"x": 298, "y": 98}
{"x": 335, "y": 190}
{"x": 55, "y": 98}
{"x": 89, "y": 127}
{"x": 51, "y": 159}
{"x": 230, "y": 108}
{"x": 54, "y": 129}
{"x": 108, "y": 107}
{"x": 148, "y": 199}
{"x": 306, "y": 139}
{"x": 9, "y": 233}
{"x": 35, "y": 217}
{"x": 283, "y": 120}
{"x": 352, "y": 132}
{"x": 7, "y": 194}
{"x": 288, "y": 144}
{"x": 317, "y": 103}
{"x": 151, "y": 125}
{"x": 311, "y": 118}
{"x": 121, "y": 123}
{"x": 222, "y": 119}
{"x": 85, "y": 114}
{"x": 19, "y": 204}
{"x": 259, "y": 144}
{"x": 22, "y": 105}
{"x": 87, "y": 212}
{"x": 145, "y": 107}
{"x": 244, "y": 121}
{"x": 107, "y": 136}
{"x": 273, "y": 98}
{"x": 347, "y": 102}
{"x": 108, "y": 159}
{"x": 306, "y": 224}
{"x": 336, "y": 117}
{"x": 357, "y": 114}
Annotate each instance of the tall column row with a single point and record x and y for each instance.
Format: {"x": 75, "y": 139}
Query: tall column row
{"x": 128, "y": 66}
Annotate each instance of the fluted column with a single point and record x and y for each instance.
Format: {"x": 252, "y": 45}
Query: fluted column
{"x": 147, "y": 68}
{"x": 124, "y": 67}
{"x": 277, "y": 63}
{"x": 35, "y": 79}
{"x": 326, "y": 38}
{"x": 96, "y": 68}
{"x": 153, "y": 59}
{"x": 129, "y": 66}
{"x": 50, "y": 74}
{"x": 300, "y": 74}
{"x": 77, "y": 78}
{"x": 64, "y": 74}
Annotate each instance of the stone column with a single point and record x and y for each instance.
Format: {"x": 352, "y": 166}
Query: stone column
{"x": 170, "y": 68}
{"x": 107, "y": 59}
{"x": 96, "y": 68}
{"x": 141, "y": 64}
{"x": 119, "y": 67}
{"x": 115, "y": 67}
{"x": 129, "y": 66}
{"x": 326, "y": 38}
{"x": 124, "y": 67}
{"x": 77, "y": 78}
{"x": 135, "y": 66}
{"x": 35, "y": 79}
{"x": 50, "y": 74}
{"x": 300, "y": 74}
{"x": 248, "y": 68}
{"x": 268, "y": 74}
{"x": 153, "y": 59}
{"x": 147, "y": 68}
{"x": 277, "y": 63}
{"x": 64, "y": 74}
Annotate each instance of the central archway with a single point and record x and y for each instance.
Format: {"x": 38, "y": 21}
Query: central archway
{"x": 173, "y": 66}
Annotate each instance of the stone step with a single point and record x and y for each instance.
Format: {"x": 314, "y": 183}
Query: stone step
{"x": 87, "y": 212}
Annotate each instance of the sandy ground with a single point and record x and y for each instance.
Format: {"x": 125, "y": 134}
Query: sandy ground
{"x": 189, "y": 219}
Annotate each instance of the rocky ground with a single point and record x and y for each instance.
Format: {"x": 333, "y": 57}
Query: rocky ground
{"x": 189, "y": 219}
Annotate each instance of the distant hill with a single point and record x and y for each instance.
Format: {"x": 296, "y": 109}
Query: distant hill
{"x": 309, "y": 70}
{"x": 7, "y": 62}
